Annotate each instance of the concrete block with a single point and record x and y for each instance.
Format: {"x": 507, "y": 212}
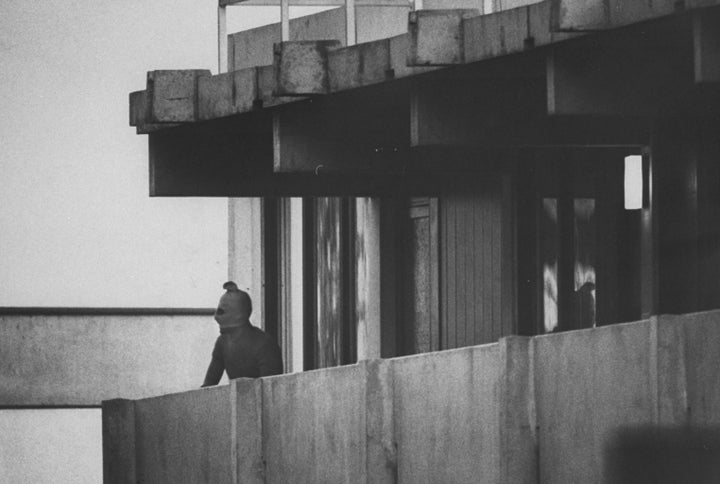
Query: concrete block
{"x": 301, "y": 67}
{"x": 437, "y": 36}
{"x": 226, "y": 94}
{"x": 517, "y": 420}
{"x": 185, "y": 437}
{"x": 446, "y": 416}
{"x": 588, "y": 15}
{"x": 497, "y": 34}
{"x": 318, "y": 427}
{"x": 589, "y": 384}
{"x": 359, "y": 65}
{"x": 118, "y": 434}
{"x": 246, "y": 431}
{"x": 266, "y": 82}
{"x": 139, "y": 108}
{"x": 399, "y": 48}
{"x": 173, "y": 95}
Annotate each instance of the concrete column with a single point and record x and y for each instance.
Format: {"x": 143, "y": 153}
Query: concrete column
{"x": 118, "y": 434}
{"x": 367, "y": 249}
{"x": 245, "y": 251}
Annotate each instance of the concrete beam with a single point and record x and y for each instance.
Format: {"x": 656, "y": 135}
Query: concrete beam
{"x": 590, "y": 15}
{"x": 226, "y": 94}
{"x": 437, "y": 36}
{"x": 342, "y": 132}
{"x": 706, "y": 46}
{"x": 626, "y": 74}
{"x": 301, "y": 67}
{"x": 173, "y": 95}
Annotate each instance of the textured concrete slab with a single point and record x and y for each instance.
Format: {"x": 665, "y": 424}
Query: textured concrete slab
{"x": 329, "y": 426}
{"x": 301, "y": 67}
{"x": 84, "y": 359}
{"x": 139, "y": 108}
{"x": 588, "y": 385}
{"x": 185, "y": 438}
{"x": 446, "y": 416}
{"x": 437, "y": 36}
{"x": 226, "y": 94}
{"x": 246, "y": 431}
{"x": 589, "y": 15}
{"x": 360, "y": 65}
{"x": 118, "y": 433}
{"x": 173, "y": 95}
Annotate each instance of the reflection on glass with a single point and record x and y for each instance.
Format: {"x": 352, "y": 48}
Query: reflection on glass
{"x": 329, "y": 281}
{"x": 549, "y": 250}
{"x": 584, "y": 225}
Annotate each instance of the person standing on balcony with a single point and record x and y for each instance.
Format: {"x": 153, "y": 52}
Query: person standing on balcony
{"x": 242, "y": 350}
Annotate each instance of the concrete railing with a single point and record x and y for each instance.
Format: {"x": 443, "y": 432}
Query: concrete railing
{"x": 76, "y": 357}
{"x": 602, "y": 405}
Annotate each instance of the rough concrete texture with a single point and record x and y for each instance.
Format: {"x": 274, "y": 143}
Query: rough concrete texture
{"x": 246, "y": 430}
{"x": 118, "y": 433}
{"x": 301, "y": 67}
{"x": 569, "y": 15}
{"x": 254, "y": 47}
{"x": 446, "y": 416}
{"x": 589, "y": 384}
{"x": 82, "y": 360}
{"x": 185, "y": 438}
{"x": 317, "y": 426}
{"x": 436, "y": 37}
{"x": 226, "y": 94}
{"x": 138, "y": 108}
{"x": 173, "y": 95}
{"x": 360, "y": 65}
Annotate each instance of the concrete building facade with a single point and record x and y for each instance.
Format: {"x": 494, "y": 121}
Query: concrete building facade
{"x": 484, "y": 177}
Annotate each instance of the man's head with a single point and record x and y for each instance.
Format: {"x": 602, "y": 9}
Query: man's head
{"x": 234, "y": 307}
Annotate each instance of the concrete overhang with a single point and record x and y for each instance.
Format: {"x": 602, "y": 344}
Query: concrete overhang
{"x": 356, "y": 125}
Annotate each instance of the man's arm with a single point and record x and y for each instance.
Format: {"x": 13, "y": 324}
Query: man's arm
{"x": 216, "y": 368}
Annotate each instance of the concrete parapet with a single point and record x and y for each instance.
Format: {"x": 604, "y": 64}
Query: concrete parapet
{"x": 185, "y": 438}
{"x": 360, "y": 65}
{"x": 301, "y": 67}
{"x": 437, "y": 36}
{"x": 226, "y": 94}
{"x": 446, "y": 415}
{"x": 173, "y": 95}
{"x": 246, "y": 429}
{"x": 329, "y": 426}
{"x": 118, "y": 434}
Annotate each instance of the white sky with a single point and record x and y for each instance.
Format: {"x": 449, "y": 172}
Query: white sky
{"x": 77, "y": 227}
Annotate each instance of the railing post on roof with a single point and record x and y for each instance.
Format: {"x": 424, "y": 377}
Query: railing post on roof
{"x": 222, "y": 39}
{"x": 284, "y": 20}
{"x": 350, "y": 25}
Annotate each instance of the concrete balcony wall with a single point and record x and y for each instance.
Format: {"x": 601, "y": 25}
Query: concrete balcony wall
{"x": 632, "y": 402}
{"x": 254, "y": 47}
{"x": 79, "y": 358}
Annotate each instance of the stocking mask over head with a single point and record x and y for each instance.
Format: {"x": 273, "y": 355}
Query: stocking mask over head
{"x": 234, "y": 307}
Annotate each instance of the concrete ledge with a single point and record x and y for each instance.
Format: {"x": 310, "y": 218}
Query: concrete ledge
{"x": 589, "y": 15}
{"x": 360, "y": 65}
{"x": 226, "y": 94}
{"x": 301, "y": 67}
{"x": 173, "y": 95}
{"x": 437, "y": 37}
{"x": 246, "y": 431}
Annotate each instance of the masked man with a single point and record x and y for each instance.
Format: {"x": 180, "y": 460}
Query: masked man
{"x": 243, "y": 350}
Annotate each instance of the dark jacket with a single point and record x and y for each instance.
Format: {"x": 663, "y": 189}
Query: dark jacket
{"x": 244, "y": 352}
